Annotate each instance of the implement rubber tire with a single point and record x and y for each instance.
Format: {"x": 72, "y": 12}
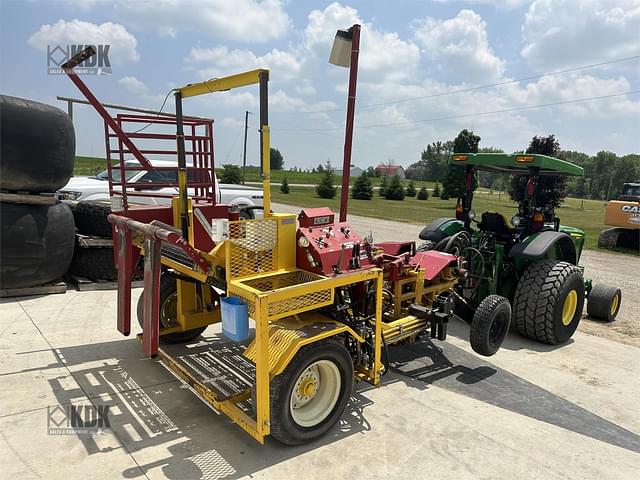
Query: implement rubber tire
{"x": 168, "y": 294}
{"x": 540, "y": 300}
{"x": 95, "y": 263}
{"x": 36, "y": 243}
{"x": 37, "y": 146}
{"x": 91, "y": 218}
{"x": 604, "y": 302}
{"x": 490, "y": 325}
{"x": 334, "y": 360}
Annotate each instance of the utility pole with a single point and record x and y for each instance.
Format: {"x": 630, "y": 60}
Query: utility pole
{"x": 244, "y": 152}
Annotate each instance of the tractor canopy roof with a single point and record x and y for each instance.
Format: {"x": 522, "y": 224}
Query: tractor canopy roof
{"x": 516, "y": 163}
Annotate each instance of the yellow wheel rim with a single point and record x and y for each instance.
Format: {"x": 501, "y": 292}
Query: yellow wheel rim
{"x": 569, "y": 307}
{"x": 614, "y": 304}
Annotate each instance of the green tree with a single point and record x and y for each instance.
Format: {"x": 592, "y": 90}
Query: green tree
{"x": 326, "y": 188}
{"x": 432, "y": 163}
{"x": 423, "y": 194}
{"x": 453, "y": 183}
{"x": 436, "y": 190}
{"x": 383, "y": 186}
{"x": 275, "y": 159}
{"x": 231, "y": 174}
{"x": 394, "y": 191}
{"x": 411, "y": 189}
{"x": 362, "y": 188}
{"x": 284, "y": 186}
{"x": 550, "y": 190}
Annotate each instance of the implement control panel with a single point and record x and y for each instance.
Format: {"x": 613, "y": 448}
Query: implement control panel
{"x": 326, "y": 247}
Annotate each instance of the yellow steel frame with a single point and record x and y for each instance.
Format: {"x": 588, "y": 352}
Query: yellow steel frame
{"x": 223, "y": 84}
{"x": 271, "y": 350}
{"x": 279, "y": 334}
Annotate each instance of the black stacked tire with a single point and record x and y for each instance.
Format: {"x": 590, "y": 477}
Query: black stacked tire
{"x": 91, "y": 218}
{"x": 548, "y": 302}
{"x": 37, "y": 146}
{"x": 36, "y": 243}
{"x": 94, "y": 264}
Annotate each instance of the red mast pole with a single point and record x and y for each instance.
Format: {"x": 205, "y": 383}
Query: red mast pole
{"x": 351, "y": 108}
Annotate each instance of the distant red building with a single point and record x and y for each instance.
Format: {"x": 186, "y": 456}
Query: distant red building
{"x": 390, "y": 170}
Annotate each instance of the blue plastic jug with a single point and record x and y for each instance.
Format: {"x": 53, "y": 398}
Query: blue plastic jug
{"x": 235, "y": 318}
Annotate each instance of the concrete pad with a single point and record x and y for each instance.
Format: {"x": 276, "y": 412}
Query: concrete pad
{"x": 28, "y": 365}
{"x": 405, "y": 429}
{"x": 75, "y": 318}
{"x": 28, "y": 452}
{"x": 595, "y": 373}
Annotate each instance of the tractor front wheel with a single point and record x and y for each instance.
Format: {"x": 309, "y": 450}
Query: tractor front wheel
{"x": 604, "y": 302}
{"x": 309, "y": 396}
{"x": 490, "y": 325}
{"x": 548, "y": 302}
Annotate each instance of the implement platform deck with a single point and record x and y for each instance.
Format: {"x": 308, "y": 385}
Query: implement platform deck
{"x": 216, "y": 366}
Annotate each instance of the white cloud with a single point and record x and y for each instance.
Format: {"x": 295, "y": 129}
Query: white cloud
{"x": 230, "y": 122}
{"x": 382, "y": 54}
{"x": 220, "y": 61}
{"x": 243, "y": 20}
{"x": 561, "y": 33}
{"x": 280, "y": 101}
{"x": 305, "y": 87}
{"x": 81, "y": 4}
{"x": 505, "y": 4}
{"x": 560, "y": 88}
{"x": 76, "y": 32}
{"x": 133, "y": 85}
{"x": 460, "y": 46}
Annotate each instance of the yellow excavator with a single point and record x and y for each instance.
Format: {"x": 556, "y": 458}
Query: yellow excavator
{"x": 623, "y": 215}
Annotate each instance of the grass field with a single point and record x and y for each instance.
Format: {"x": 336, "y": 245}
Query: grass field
{"x": 587, "y": 215}
{"x": 589, "y": 218}
{"x": 86, "y": 166}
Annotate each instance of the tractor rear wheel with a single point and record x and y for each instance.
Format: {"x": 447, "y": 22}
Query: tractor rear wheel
{"x": 604, "y": 302}
{"x": 309, "y": 396}
{"x": 490, "y": 325}
{"x": 548, "y": 302}
{"x": 168, "y": 311}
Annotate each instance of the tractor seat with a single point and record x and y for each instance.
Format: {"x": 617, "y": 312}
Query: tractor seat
{"x": 496, "y": 223}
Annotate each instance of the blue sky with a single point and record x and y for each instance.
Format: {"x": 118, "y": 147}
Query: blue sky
{"x": 410, "y": 50}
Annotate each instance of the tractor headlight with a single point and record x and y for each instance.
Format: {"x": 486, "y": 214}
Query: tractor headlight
{"x": 515, "y": 221}
{"x": 471, "y": 214}
{"x": 303, "y": 242}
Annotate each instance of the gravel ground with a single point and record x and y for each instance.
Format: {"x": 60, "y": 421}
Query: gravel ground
{"x": 603, "y": 267}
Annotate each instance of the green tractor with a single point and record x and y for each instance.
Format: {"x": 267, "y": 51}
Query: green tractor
{"x": 531, "y": 260}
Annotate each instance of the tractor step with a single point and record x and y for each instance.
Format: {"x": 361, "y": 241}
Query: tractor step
{"x": 218, "y": 367}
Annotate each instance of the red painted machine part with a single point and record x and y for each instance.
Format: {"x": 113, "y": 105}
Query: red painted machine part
{"x": 433, "y": 262}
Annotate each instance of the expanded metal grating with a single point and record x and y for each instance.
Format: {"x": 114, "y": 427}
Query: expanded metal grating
{"x": 253, "y": 247}
{"x": 296, "y": 301}
{"x": 307, "y": 301}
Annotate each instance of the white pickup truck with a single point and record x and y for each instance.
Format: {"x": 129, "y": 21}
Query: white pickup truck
{"x": 96, "y": 189}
